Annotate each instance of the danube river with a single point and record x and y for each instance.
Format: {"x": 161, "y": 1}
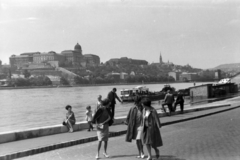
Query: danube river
{"x": 30, "y": 108}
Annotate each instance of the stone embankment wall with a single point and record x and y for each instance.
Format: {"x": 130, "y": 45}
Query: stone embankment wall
{"x": 45, "y": 131}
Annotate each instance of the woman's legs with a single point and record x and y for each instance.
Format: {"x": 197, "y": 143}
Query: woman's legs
{"x": 140, "y": 147}
{"x": 89, "y": 125}
{"x": 105, "y": 146}
{"x": 70, "y": 126}
{"x": 99, "y": 147}
{"x": 157, "y": 152}
{"x": 149, "y": 151}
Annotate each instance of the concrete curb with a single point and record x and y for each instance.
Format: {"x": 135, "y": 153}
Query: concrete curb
{"x": 111, "y": 134}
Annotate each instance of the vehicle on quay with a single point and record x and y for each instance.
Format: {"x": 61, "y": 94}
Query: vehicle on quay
{"x": 127, "y": 95}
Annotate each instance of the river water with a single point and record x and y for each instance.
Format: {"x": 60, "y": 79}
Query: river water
{"x": 30, "y": 108}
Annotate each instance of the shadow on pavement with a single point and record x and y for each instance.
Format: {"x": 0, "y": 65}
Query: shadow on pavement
{"x": 168, "y": 157}
{"x": 162, "y": 157}
{"x": 120, "y": 156}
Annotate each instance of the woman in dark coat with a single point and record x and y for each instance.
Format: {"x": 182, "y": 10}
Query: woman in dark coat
{"x": 151, "y": 128}
{"x": 134, "y": 122}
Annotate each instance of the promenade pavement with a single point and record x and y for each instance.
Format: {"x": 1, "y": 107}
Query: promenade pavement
{"x": 214, "y": 137}
{"x": 33, "y": 146}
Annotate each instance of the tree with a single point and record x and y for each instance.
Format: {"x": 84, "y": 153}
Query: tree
{"x": 40, "y": 81}
{"x": 64, "y": 81}
{"x": 22, "y": 82}
{"x": 26, "y": 73}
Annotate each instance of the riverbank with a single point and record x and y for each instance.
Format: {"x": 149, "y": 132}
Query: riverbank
{"x": 79, "y": 126}
{"x": 93, "y": 85}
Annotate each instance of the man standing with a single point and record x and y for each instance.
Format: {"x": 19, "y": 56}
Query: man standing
{"x": 168, "y": 100}
{"x": 179, "y": 101}
{"x": 112, "y": 96}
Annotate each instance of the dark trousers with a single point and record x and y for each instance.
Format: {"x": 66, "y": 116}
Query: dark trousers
{"x": 90, "y": 125}
{"x": 170, "y": 107}
{"x": 181, "y": 106}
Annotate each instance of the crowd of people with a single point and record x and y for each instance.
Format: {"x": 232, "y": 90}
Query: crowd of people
{"x": 143, "y": 123}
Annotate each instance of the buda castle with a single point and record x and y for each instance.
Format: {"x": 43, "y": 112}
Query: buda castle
{"x": 67, "y": 58}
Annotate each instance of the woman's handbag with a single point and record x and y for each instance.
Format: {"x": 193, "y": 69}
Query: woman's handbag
{"x": 100, "y": 126}
{"x": 64, "y": 123}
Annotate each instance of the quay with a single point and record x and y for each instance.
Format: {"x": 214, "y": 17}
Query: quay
{"x": 47, "y": 141}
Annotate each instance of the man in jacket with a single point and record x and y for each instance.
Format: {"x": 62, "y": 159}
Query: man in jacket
{"x": 180, "y": 101}
{"x": 168, "y": 100}
{"x": 112, "y": 96}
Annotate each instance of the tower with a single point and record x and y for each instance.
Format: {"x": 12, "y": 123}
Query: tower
{"x": 160, "y": 59}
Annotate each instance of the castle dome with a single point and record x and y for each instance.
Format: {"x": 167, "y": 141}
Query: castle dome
{"x": 77, "y": 47}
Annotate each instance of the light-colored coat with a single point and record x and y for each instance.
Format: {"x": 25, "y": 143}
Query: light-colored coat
{"x": 130, "y": 121}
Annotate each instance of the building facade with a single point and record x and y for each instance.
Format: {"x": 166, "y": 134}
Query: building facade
{"x": 46, "y": 57}
{"x": 186, "y": 77}
{"x": 125, "y": 60}
{"x": 92, "y": 60}
{"x": 175, "y": 75}
{"x": 75, "y": 56}
{"x": 21, "y": 60}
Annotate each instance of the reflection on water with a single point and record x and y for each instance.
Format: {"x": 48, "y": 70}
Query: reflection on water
{"x": 28, "y": 108}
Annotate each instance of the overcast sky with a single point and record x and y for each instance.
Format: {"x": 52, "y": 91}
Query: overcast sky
{"x": 202, "y": 33}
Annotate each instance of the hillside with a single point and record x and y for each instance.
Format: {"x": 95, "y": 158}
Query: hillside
{"x": 232, "y": 67}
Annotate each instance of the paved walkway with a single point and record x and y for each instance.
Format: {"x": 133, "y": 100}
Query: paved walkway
{"x": 42, "y": 144}
{"x": 213, "y": 137}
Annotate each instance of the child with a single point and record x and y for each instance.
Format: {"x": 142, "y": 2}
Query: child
{"x": 89, "y": 117}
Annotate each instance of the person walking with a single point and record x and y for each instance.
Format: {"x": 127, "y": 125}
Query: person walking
{"x": 134, "y": 125}
{"x": 168, "y": 100}
{"x": 89, "y": 117}
{"x": 112, "y": 96}
{"x": 151, "y": 128}
{"x": 180, "y": 101}
{"x": 102, "y": 119}
{"x": 70, "y": 118}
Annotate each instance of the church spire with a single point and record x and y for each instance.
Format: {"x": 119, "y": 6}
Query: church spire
{"x": 160, "y": 59}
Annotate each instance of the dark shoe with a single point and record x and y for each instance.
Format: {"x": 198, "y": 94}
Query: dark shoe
{"x": 88, "y": 130}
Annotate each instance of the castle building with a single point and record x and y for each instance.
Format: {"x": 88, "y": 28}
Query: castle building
{"x": 22, "y": 59}
{"x": 92, "y": 60}
{"x": 46, "y": 57}
{"x": 75, "y": 56}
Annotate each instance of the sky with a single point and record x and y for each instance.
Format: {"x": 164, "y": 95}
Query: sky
{"x": 202, "y": 33}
